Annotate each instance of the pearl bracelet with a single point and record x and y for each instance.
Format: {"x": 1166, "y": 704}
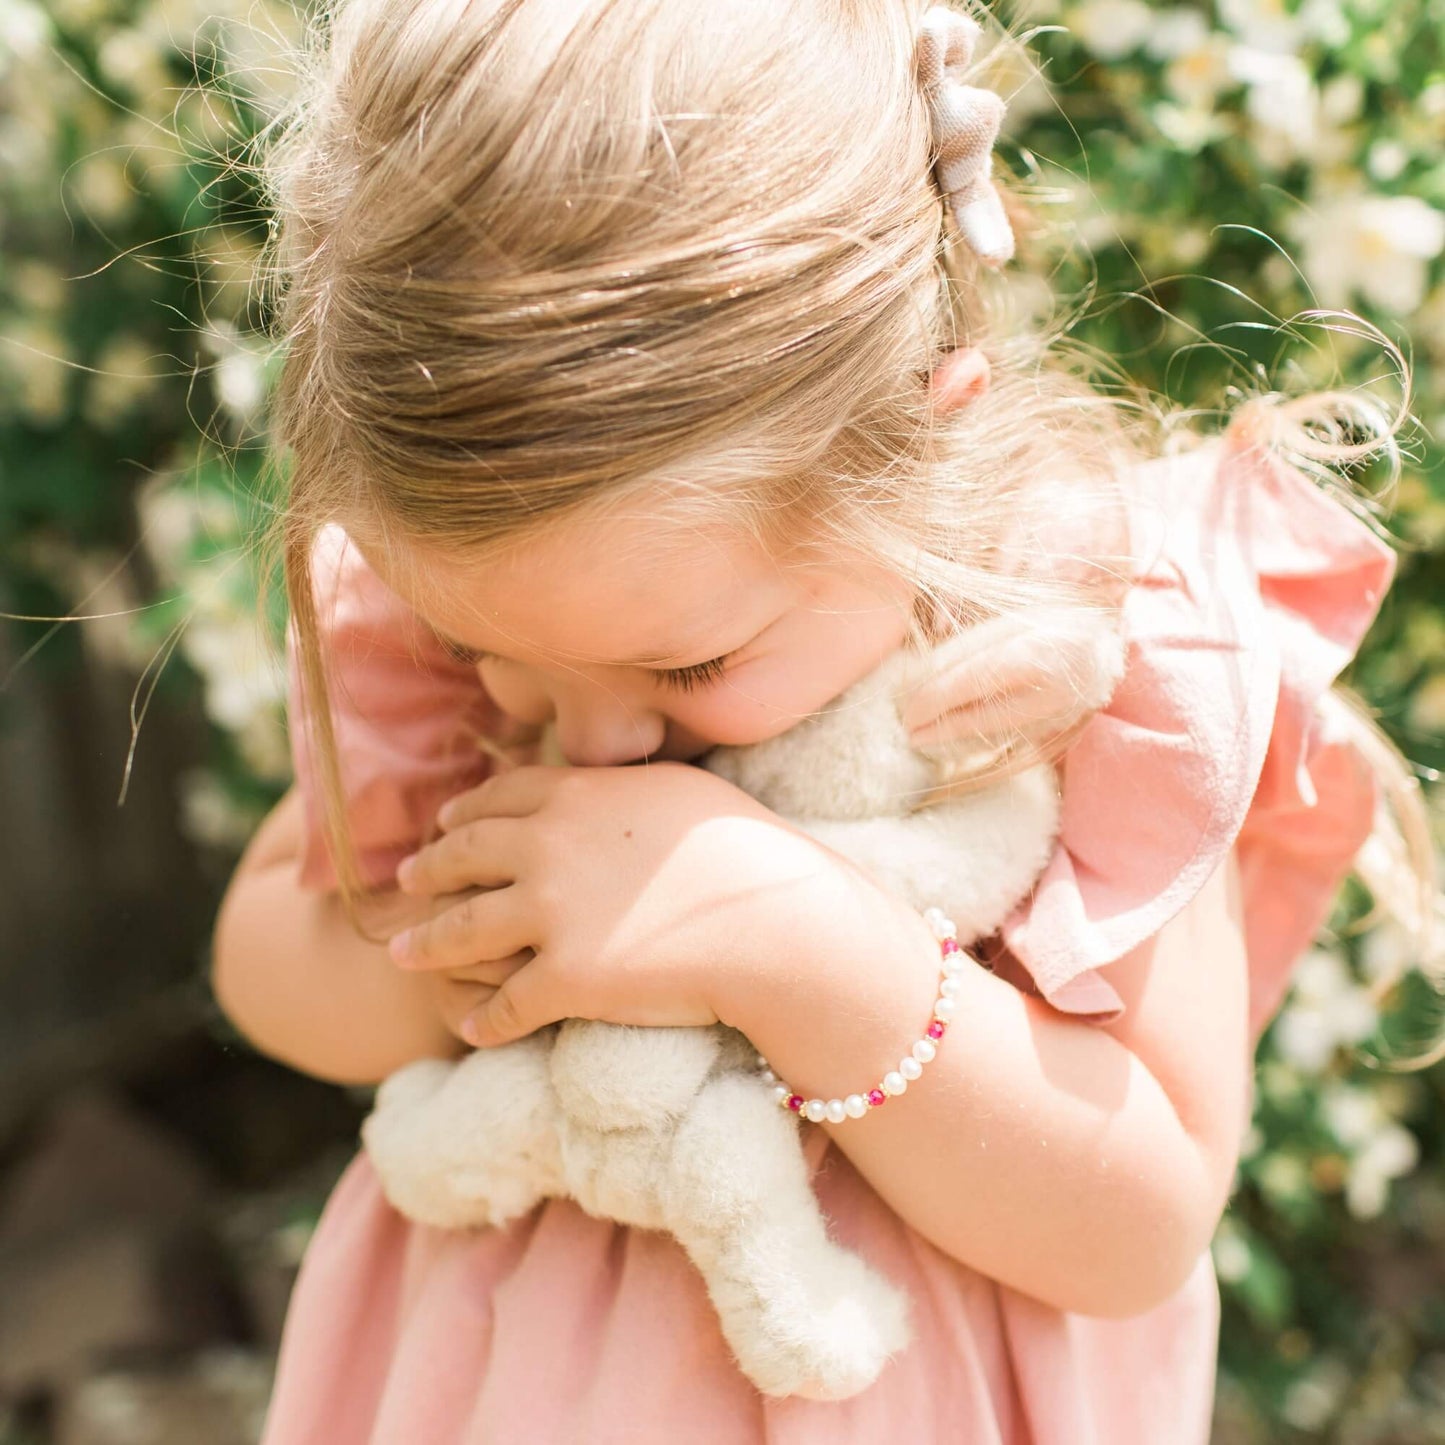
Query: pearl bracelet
{"x": 910, "y": 1067}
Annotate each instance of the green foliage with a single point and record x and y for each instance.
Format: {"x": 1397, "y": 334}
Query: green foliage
{"x": 1211, "y": 176}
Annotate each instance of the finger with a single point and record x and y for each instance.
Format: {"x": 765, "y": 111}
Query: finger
{"x": 493, "y": 971}
{"x": 455, "y": 1001}
{"x": 481, "y": 854}
{"x": 517, "y": 793}
{"x": 489, "y": 925}
{"x": 522, "y": 1005}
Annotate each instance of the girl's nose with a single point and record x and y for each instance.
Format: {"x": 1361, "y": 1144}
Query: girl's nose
{"x": 597, "y": 731}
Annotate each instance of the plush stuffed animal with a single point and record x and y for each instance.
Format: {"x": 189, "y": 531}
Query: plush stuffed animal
{"x": 676, "y": 1128}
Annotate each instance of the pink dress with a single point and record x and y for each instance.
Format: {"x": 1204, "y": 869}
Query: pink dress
{"x": 571, "y": 1331}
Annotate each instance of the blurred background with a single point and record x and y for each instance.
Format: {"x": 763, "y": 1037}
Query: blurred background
{"x": 1202, "y": 174}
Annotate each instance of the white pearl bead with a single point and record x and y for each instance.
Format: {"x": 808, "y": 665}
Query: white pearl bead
{"x": 955, "y": 964}
{"x": 855, "y": 1106}
{"x": 815, "y": 1110}
{"x": 910, "y": 1068}
{"x": 762, "y": 1062}
{"x": 835, "y": 1111}
{"x": 933, "y": 916}
{"x": 781, "y": 1092}
{"x": 944, "y": 927}
{"x": 925, "y": 1051}
{"x": 769, "y": 1077}
{"x": 949, "y": 987}
{"x": 944, "y": 1009}
{"x": 894, "y": 1083}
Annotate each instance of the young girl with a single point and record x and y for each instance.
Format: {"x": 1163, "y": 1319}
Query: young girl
{"x": 624, "y": 396}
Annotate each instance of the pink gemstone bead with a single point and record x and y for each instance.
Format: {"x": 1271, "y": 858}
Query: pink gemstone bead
{"x": 936, "y": 1028}
{"x": 795, "y": 1102}
{"x": 950, "y": 945}
{"x": 876, "y": 1097}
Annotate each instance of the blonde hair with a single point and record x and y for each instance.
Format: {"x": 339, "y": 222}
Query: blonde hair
{"x": 530, "y": 253}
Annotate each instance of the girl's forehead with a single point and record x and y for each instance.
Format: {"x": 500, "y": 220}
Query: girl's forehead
{"x": 624, "y": 587}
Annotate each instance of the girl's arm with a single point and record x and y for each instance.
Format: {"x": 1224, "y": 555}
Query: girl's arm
{"x": 294, "y": 976}
{"x": 1085, "y": 1165}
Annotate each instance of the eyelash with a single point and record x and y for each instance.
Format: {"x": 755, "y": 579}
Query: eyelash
{"x": 458, "y": 653}
{"x": 682, "y": 679}
{"x": 701, "y": 674}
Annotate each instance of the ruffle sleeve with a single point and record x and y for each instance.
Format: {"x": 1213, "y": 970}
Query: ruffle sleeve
{"x": 406, "y": 713}
{"x": 1255, "y": 587}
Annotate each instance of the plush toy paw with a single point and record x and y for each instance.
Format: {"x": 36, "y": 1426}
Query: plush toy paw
{"x": 467, "y": 1144}
{"x": 805, "y": 1317}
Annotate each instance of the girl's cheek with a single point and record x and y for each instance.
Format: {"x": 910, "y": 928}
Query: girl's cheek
{"x": 754, "y": 707}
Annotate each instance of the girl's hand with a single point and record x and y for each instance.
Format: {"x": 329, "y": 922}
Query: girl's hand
{"x": 646, "y": 895}
{"x": 458, "y": 993}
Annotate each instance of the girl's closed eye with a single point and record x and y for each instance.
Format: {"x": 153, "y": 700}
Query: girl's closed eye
{"x": 682, "y": 679}
{"x": 700, "y": 674}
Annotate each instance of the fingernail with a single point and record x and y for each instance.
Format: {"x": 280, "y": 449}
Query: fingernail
{"x": 471, "y": 1033}
{"x": 446, "y": 813}
{"x": 405, "y": 869}
{"x": 400, "y": 945}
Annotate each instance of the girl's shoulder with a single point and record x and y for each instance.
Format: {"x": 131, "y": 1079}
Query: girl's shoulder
{"x": 1254, "y": 587}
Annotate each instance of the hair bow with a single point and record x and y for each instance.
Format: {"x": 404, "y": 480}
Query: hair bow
{"x": 966, "y": 123}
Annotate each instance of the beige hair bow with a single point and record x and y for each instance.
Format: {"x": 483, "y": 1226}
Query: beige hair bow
{"x": 965, "y": 126}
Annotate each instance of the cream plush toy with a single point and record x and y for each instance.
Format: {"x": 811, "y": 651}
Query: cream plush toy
{"x": 677, "y": 1128}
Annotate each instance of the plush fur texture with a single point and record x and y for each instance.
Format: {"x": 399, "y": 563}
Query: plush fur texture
{"x": 674, "y": 1129}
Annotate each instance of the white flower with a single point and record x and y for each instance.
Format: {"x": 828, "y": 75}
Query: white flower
{"x": 33, "y": 354}
{"x": 1197, "y": 75}
{"x": 1386, "y": 159}
{"x": 25, "y": 31}
{"x": 1262, "y": 24}
{"x": 131, "y": 59}
{"x": 1232, "y": 1257}
{"x": 1342, "y": 98}
{"x": 1324, "y": 21}
{"x": 1188, "y": 129}
{"x": 1284, "y": 1176}
{"x": 99, "y": 185}
{"x": 1281, "y": 100}
{"x": 239, "y": 385}
{"x": 1177, "y": 31}
{"x": 174, "y": 515}
{"x": 124, "y": 375}
{"x": 1378, "y": 246}
{"x": 240, "y": 678}
{"x": 42, "y": 286}
{"x": 1312, "y": 1402}
{"x": 210, "y": 816}
{"x": 1390, "y": 1154}
{"x": 1353, "y": 1116}
{"x": 1112, "y": 29}
{"x": 1325, "y": 1011}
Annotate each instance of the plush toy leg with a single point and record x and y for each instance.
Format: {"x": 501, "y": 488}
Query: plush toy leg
{"x": 471, "y": 1143}
{"x": 802, "y": 1315}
